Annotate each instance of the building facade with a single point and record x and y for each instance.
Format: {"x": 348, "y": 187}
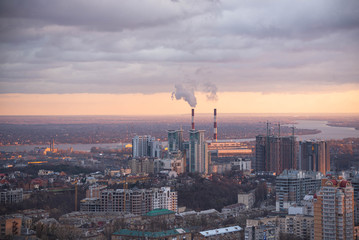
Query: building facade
{"x": 355, "y": 184}
{"x": 274, "y": 154}
{"x": 9, "y": 196}
{"x": 197, "y": 157}
{"x": 247, "y": 199}
{"x": 272, "y": 226}
{"x": 10, "y": 226}
{"x": 141, "y": 165}
{"x": 334, "y": 210}
{"x": 293, "y": 185}
{"x": 175, "y": 140}
{"x": 145, "y": 146}
{"x": 135, "y": 201}
{"x": 314, "y": 156}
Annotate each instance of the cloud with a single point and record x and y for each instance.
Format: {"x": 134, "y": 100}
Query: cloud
{"x": 185, "y": 93}
{"x": 211, "y": 89}
{"x": 138, "y": 46}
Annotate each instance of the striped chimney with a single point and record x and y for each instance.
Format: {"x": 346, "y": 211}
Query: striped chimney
{"x": 215, "y": 125}
{"x": 192, "y": 118}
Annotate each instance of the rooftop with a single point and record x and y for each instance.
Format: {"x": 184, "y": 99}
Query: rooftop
{"x": 220, "y": 231}
{"x": 159, "y": 212}
{"x": 133, "y": 233}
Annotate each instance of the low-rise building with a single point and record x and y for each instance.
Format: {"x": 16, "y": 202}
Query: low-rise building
{"x": 233, "y": 210}
{"x": 247, "y": 199}
{"x": 270, "y": 227}
{"x": 233, "y": 232}
{"x": 126, "y": 234}
{"x": 242, "y": 164}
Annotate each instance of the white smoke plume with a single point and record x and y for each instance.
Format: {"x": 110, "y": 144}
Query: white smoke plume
{"x": 186, "y": 94}
{"x": 211, "y": 89}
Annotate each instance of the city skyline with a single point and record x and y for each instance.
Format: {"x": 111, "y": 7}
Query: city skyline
{"x": 135, "y": 58}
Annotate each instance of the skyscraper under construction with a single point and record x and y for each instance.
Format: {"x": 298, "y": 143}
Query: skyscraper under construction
{"x": 275, "y": 153}
{"x": 314, "y": 155}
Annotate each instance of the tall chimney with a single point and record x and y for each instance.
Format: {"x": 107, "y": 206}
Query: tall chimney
{"x": 215, "y": 126}
{"x": 192, "y": 118}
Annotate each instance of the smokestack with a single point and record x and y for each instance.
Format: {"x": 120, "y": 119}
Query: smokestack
{"x": 215, "y": 126}
{"x": 192, "y": 118}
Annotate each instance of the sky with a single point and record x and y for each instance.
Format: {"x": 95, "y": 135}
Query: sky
{"x": 154, "y": 57}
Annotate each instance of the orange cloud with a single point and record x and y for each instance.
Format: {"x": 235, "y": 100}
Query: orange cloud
{"x": 161, "y": 103}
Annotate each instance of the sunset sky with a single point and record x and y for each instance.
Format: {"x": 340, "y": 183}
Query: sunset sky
{"x": 155, "y": 57}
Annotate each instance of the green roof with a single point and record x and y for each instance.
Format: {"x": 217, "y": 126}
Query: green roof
{"x": 159, "y": 212}
{"x": 133, "y": 233}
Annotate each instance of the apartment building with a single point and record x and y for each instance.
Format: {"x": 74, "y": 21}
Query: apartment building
{"x": 135, "y": 201}
{"x": 293, "y": 185}
{"x": 9, "y": 196}
{"x": 334, "y": 210}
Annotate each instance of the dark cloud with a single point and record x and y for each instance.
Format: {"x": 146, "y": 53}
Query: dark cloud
{"x": 149, "y": 46}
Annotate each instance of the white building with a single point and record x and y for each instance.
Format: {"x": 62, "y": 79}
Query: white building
{"x": 9, "y": 196}
{"x": 175, "y": 165}
{"x": 242, "y": 164}
{"x": 164, "y": 198}
{"x": 247, "y": 199}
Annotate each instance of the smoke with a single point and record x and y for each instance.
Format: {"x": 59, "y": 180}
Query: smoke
{"x": 211, "y": 89}
{"x": 186, "y": 94}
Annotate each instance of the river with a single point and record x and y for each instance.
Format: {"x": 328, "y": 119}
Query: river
{"x": 327, "y": 133}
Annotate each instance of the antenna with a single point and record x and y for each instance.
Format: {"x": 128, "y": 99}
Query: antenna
{"x": 278, "y": 129}
{"x": 293, "y": 130}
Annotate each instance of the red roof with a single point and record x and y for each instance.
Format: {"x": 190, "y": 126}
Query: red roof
{"x": 335, "y": 182}
{"x": 343, "y": 183}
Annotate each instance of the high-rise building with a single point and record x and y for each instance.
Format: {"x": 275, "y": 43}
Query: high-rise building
{"x": 334, "y": 210}
{"x": 293, "y": 185}
{"x": 145, "y": 146}
{"x": 314, "y": 156}
{"x": 355, "y": 184}
{"x": 175, "y": 140}
{"x": 275, "y": 153}
{"x": 197, "y": 159}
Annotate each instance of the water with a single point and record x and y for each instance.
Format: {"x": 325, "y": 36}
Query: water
{"x": 327, "y": 132}
{"x": 76, "y": 147}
